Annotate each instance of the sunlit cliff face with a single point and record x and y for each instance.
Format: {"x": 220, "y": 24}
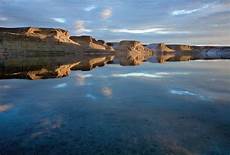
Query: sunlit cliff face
{"x": 171, "y": 21}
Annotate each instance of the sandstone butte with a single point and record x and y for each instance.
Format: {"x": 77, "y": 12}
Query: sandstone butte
{"x": 39, "y": 53}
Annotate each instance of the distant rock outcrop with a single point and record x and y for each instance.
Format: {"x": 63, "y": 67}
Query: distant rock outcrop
{"x": 131, "y": 53}
{"x": 90, "y": 42}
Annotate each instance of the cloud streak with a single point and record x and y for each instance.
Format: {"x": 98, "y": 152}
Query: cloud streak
{"x": 146, "y": 31}
{"x": 89, "y": 8}
{"x": 186, "y": 12}
{"x": 59, "y": 20}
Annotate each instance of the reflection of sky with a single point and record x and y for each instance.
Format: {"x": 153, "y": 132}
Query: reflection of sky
{"x": 141, "y": 109}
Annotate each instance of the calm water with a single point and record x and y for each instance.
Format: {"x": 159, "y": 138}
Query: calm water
{"x": 172, "y": 108}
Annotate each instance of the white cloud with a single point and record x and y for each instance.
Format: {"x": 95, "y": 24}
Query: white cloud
{"x": 186, "y": 12}
{"x": 80, "y": 27}
{"x": 135, "y": 31}
{"x": 149, "y": 30}
{"x": 106, "y": 13}
{"x": 173, "y": 32}
{"x": 89, "y": 8}
{"x": 59, "y": 20}
{"x": 3, "y": 19}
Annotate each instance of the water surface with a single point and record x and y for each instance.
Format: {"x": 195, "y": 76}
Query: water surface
{"x": 171, "y": 108}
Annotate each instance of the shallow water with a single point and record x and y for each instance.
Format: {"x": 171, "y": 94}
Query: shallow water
{"x": 172, "y": 108}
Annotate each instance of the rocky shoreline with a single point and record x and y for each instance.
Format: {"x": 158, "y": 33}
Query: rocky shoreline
{"x": 41, "y": 53}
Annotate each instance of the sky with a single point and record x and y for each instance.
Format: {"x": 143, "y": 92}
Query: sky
{"x": 199, "y": 22}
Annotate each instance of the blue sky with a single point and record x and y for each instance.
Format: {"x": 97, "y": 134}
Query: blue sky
{"x": 170, "y": 21}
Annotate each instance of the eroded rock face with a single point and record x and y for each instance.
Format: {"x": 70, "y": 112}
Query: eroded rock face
{"x": 131, "y": 53}
{"x": 44, "y": 34}
{"x": 90, "y": 42}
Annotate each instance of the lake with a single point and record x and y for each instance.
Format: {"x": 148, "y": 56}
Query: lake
{"x": 172, "y": 108}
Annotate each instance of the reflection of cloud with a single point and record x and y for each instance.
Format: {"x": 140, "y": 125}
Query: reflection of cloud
{"x": 81, "y": 78}
{"x": 150, "y": 75}
{"x": 61, "y": 85}
{"x": 182, "y": 92}
{"x": 90, "y": 96}
{"x": 137, "y": 75}
{"x": 187, "y": 93}
{"x": 80, "y": 27}
{"x": 4, "y": 87}
{"x": 106, "y": 13}
{"x": 107, "y": 91}
{"x": 5, "y": 107}
{"x": 47, "y": 126}
{"x": 172, "y": 73}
